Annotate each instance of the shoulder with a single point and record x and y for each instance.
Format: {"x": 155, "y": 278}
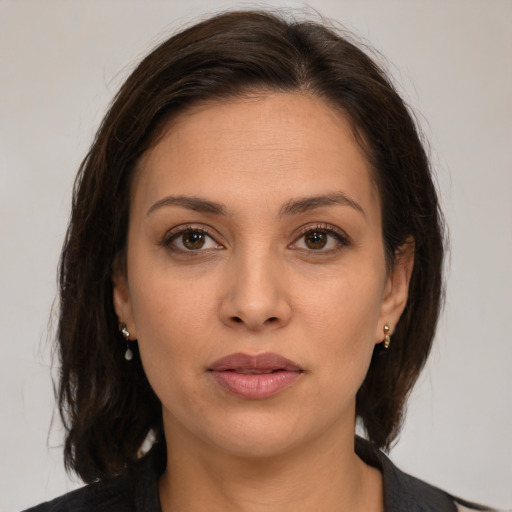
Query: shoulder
{"x": 136, "y": 491}
{"x": 405, "y": 493}
{"x": 114, "y": 495}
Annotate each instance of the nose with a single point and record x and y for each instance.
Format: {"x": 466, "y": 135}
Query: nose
{"x": 255, "y": 297}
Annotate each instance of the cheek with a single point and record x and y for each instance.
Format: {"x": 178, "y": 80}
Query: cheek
{"x": 345, "y": 303}
{"x": 341, "y": 318}
{"x": 171, "y": 321}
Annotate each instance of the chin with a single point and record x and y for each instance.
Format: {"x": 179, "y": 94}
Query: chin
{"x": 252, "y": 435}
{"x": 265, "y": 437}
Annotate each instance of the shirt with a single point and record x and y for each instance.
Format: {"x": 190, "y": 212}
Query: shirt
{"x": 138, "y": 490}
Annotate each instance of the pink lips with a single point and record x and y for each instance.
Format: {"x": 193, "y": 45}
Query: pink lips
{"x": 255, "y": 377}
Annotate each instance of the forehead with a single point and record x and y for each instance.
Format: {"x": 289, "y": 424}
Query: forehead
{"x": 262, "y": 145}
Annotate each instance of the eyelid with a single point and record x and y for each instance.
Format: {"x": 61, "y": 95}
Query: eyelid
{"x": 340, "y": 235}
{"x": 173, "y": 233}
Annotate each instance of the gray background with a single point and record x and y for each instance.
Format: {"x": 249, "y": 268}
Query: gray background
{"x": 61, "y": 63}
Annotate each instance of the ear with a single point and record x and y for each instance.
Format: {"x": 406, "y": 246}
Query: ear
{"x": 397, "y": 289}
{"x": 121, "y": 297}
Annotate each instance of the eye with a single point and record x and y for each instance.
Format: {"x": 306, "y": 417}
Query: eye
{"x": 316, "y": 240}
{"x": 190, "y": 240}
{"x": 321, "y": 239}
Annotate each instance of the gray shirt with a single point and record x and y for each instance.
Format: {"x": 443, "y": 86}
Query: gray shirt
{"x": 138, "y": 490}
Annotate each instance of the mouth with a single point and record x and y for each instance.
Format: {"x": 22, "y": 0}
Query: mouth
{"x": 252, "y": 371}
{"x": 255, "y": 377}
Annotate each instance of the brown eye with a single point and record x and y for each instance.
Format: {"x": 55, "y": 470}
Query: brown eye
{"x": 315, "y": 240}
{"x": 193, "y": 240}
{"x": 322, "y": 240}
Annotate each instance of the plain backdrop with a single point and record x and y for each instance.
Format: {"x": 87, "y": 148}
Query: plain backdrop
{"x": 61, "y": 63}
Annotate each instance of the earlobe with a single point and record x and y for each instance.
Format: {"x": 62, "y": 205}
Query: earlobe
{"x": 397, "y": 287}
{"x": 121, "y": 298}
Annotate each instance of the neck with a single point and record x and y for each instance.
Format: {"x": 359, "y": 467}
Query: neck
{"x": 325, "y": 476}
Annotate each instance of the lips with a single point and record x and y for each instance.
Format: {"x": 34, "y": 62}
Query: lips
{"x": 255, "y": 377}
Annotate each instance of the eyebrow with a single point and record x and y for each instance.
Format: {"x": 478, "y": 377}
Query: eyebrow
{"x": 301, "y": 205}
{"x": 292, "y": 207}
{"x": 191, "y": 203}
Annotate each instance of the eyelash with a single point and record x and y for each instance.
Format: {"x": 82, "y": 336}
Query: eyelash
{"x": 172, "y": 235}
{"x": 341, "y": 238}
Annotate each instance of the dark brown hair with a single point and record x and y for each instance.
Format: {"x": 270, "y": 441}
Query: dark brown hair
{"x": 106, "y": 403}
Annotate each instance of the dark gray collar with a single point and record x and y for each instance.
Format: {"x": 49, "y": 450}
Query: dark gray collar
{"x": 402, "y": 492}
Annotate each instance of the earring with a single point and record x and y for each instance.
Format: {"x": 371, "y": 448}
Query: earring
{"x": 128, "y": 355}
{"x": 387, "y": 337}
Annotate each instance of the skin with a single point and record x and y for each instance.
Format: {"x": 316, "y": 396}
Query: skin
{"x": 256, "y": 285}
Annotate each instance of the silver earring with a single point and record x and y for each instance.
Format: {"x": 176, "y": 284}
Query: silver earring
{"x": 128, "y": 355}
{"x": 387, "y": 337}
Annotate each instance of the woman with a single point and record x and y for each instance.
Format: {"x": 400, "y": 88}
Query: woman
{"x": 253, "y": 262}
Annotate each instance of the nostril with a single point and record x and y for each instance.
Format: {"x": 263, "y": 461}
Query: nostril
{"x": 270, "y": 320}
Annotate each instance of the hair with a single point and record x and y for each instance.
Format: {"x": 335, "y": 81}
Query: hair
{"x": 106, "y": 403}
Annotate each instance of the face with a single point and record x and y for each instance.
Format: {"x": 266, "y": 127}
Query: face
{"x": 256, "y": 281}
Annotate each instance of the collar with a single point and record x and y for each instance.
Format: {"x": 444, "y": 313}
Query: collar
{"x": 402, "y": 492}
